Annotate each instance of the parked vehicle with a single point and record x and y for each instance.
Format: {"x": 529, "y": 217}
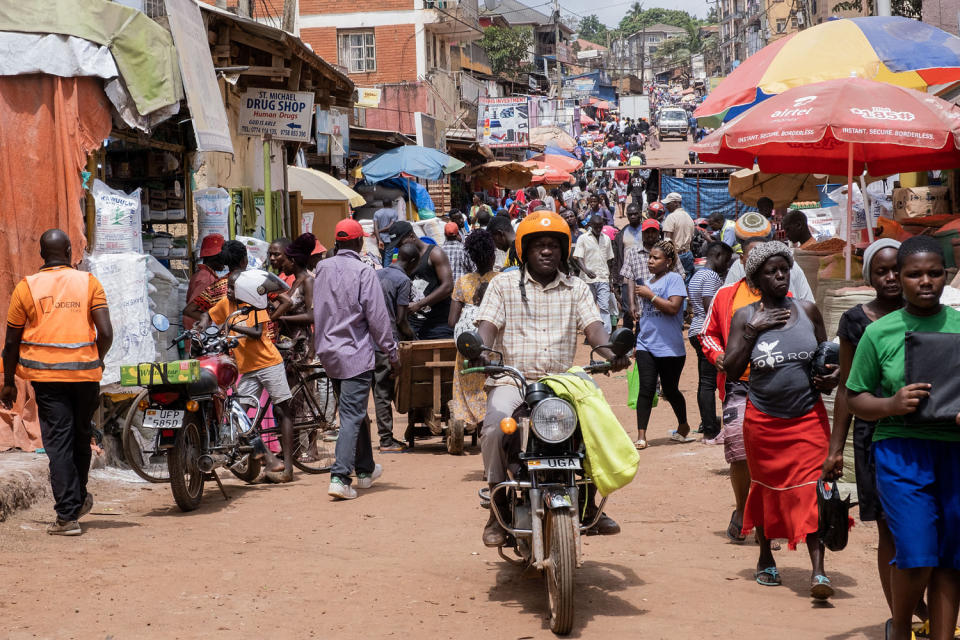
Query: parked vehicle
{"x": 547, "y": 485}
{"x": 673, "y": 121}
{"x": 635, "y": 107}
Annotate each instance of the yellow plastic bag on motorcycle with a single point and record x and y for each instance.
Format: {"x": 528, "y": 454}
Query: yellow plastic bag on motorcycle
{"x": 611, "y": 459}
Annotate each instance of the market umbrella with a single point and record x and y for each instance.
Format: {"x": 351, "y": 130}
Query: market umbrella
{"x": 563, "y": 163}
{"x": 841, "y": 126}
{"x": 551, "y": 175}
{"x": 318, "y": 185}
{"x": 895, "y": 50}
{"x": 413, "y": 160}
{"x": 586, "y": 120}
{"x": 552, "y": 137}
{"x": 508, "y": 175}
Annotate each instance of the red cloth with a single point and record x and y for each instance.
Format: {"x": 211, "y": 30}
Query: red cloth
{"x": 200, "y": 280}
{"x": 785, "y": 457}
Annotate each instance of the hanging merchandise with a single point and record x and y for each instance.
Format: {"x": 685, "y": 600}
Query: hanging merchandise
{"x": 256, "y": 252}
{"x": 213, "y": 212}
{"x": 117, "y": 220}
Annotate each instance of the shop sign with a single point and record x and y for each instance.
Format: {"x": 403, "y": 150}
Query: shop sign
{"x": 369, "y": 98}
{"x": 284, "y": 115}
{"x": 503, "y": 122}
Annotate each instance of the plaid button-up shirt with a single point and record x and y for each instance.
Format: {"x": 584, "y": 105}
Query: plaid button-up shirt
{"x": 538, "y": 336}
{"x": 460, "y": 262}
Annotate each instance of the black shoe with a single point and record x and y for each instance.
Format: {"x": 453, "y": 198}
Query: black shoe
{"x": 606, "y": 526}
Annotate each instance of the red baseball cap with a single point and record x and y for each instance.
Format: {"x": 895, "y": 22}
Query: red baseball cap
{"x": 211, "y": 245}
{"x": 650, "y": 223}
{"x": 349, "y": 229}
{"x": 451, "y": 229}
{"x": 318, "y": 249}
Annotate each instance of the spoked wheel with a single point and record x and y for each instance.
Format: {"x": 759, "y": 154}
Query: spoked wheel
{"x": 186, "y": 479}
{"x": 140, "y": 446}
{"x": 560, "y": 564}
{"x": 314, "y": 432}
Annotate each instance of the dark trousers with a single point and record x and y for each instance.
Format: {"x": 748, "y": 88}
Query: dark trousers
{"x": 383, "y": 390}
{"x": 626, "y": 290}
{"x": 354, "y": 451}
{"x": 431, "y": 329}
{"x": 686, "y": 259}
{"x": 706, "y": 390}
{"x": 649, "y": 367}
{"x": 65, "y": 410}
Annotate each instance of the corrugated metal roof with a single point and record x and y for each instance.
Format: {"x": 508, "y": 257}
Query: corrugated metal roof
{"x": 517, "y": 13}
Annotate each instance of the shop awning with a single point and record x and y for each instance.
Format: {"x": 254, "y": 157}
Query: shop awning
{"x": 317, "y": 185}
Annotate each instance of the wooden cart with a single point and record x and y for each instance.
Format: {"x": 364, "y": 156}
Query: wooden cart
{"x": 424, "y": 389}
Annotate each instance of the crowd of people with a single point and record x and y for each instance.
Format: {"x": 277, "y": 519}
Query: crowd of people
{"x": 534, "y": 270}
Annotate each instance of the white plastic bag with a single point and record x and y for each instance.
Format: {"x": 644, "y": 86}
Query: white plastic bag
{"x": 117, "y": 220}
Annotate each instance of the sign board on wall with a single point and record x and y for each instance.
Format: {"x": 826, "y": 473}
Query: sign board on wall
{"x": 369, "y": 98}
{"x": 333, "y": 135}
{"x": 503, "y": 122}
{"x": 430, "y": 132}
{"x": 285, "y": 115}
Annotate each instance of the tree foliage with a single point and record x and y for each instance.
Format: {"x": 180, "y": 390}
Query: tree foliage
{"x": 507, "y": 48}
{"x": 593, "y": 30}
{"x": 638, "y": 18}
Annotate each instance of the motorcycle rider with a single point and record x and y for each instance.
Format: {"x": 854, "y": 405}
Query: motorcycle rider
{"x": 533, "y": 316}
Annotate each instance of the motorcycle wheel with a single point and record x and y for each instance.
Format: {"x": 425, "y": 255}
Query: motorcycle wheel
{"x": 455, "y": 437}
{"x": 186, "y": 479}
{"x": 138, "y": 446}
{"x": 249, "y": 471}
{"x": 561, "y": 562}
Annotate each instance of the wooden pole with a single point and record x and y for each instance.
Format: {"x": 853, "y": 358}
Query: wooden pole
{"x": 289, "y": 15}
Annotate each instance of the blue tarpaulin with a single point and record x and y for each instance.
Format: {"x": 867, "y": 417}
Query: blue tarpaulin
{"x": 703, "y": 196}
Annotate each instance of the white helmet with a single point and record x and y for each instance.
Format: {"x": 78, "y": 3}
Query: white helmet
{"x": 253, "y": 286}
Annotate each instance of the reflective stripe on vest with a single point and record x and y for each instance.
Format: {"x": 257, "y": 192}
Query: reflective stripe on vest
{"x": 60, "y": 345}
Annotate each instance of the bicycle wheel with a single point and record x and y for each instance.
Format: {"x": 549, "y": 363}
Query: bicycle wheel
{"x": 140, "y": 446}
{"x": 313, "y": 404}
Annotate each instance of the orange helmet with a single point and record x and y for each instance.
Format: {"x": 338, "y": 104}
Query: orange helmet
{"x": 543, "y": 222}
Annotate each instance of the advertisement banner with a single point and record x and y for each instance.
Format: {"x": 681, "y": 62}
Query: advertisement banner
{"x": 369, "y": 98}
{"x": 503, "y": 122}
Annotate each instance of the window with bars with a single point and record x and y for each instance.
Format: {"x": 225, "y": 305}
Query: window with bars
{"x": 358, "y": 51}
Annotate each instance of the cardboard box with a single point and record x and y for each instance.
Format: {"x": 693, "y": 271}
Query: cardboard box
{"x": 916, "y": 202}
{"x": 148, "y": 373}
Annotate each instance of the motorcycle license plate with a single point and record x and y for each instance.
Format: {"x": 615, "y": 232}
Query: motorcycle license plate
{"x": 163, "y": 418}
{"x": 553, "y": 463}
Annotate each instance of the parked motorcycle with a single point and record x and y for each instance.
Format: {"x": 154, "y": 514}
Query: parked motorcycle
{"x": 539, "y": 505}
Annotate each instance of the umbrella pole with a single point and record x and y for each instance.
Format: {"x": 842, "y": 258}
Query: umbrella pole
{"x": 848, "y": 250}
{"x": 866, "y": 207}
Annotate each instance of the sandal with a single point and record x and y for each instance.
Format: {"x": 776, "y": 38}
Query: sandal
{"x": 821, "y": 588}
{"x": 733, "y": 531}
{"x": 640, "y": 445}
{"x": 769, "y": 577}
{"x": 676, "y": 437}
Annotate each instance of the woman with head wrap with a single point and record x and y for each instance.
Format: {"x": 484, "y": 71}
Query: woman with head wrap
{"x": 880, "y": 272}
{"x": 786, "y": 430}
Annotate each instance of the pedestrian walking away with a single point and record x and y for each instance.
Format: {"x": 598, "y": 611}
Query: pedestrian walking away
{"x": 350, "y": 321}
{"x": 58, "y": 333}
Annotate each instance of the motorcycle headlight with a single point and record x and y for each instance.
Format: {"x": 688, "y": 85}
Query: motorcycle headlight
{"x": 553, "y": 420}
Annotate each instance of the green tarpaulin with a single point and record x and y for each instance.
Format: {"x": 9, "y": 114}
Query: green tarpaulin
{"x": 143, "y": 50}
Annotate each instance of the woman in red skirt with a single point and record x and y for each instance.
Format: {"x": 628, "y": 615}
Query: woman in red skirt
{"x": 785, "y": 427}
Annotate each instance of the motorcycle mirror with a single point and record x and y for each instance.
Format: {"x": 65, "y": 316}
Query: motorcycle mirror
{"x": 470, "y": 345}
{"x": 622, "y": 341}
{"x": 160, "y": 322}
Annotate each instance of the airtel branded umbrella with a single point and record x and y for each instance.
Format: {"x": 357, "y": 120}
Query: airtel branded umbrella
{"x": 896, "y": 50}
{"x": 840, "y": 126}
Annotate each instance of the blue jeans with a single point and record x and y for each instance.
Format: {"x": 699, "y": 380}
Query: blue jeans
{"x": 686, "y": 259}
{"x": 353, "y": 451}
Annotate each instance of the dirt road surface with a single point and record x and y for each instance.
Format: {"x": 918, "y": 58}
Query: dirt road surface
{"x": 405, "y": 559}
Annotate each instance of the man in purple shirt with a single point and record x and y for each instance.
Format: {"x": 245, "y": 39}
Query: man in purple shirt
{"x": 350, "y": 320}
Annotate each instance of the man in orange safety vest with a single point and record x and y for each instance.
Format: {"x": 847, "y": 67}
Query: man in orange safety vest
{"x": 58, "y": 332}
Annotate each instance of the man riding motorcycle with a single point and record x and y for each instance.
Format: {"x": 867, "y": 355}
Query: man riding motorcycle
{"x": 532, "y": 316}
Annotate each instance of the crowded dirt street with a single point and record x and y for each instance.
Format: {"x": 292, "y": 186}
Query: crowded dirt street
{"x": 406, "y": 560}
